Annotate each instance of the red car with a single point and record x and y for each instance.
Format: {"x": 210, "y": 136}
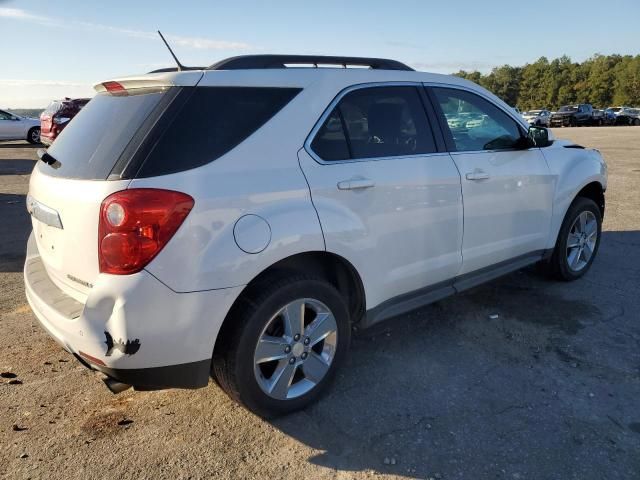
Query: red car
{"x": 57, "y": 115}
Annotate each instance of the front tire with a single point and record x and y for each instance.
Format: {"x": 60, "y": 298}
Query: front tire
{"x": 578, "y": 240}
{"x": 282, "y": 345}
{"x": 33, "y": 136}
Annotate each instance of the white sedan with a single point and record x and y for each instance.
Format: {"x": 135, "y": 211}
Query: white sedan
{"x": 15, "y": 127}
{"x": 538, "y": 118}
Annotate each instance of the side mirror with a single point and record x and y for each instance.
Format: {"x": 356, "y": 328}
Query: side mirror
{"x": 540, "y": 137}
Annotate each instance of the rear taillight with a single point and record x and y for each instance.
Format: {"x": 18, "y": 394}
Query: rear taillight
{"x": 61, "y": 120}
{"x": 115, "y": 88}
{"x": 136, "y": 224}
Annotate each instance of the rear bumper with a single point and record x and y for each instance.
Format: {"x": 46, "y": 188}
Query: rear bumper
{"x": 132, "y": 328}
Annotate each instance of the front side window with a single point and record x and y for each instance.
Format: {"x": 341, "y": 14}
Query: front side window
{"x": 376, "y": 122}
{"x": 475, "y": 123}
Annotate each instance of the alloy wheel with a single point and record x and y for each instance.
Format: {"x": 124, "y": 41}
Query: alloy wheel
{"x": 581, "y": 241}
{"x": 295, "y": 349}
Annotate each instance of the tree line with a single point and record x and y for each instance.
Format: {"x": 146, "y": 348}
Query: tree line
{"x": 602, "y": 80}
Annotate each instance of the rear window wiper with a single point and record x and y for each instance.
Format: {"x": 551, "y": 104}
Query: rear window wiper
{"x": 48, "y": 159}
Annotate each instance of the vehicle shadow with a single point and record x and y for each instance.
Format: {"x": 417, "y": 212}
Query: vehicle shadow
{"x": 497, "y": 382}
{"x": 16, "y": 225}
{"x": 16, "y": 167}
{"x": 24, "y": 144}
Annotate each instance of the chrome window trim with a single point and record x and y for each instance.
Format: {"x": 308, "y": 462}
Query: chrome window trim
{"x": 332, "y": 105}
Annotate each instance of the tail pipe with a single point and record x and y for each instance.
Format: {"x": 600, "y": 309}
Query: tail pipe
{"x": 115, "y": 386}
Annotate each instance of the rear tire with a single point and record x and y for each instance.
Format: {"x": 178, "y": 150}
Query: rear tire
{"x": 294, "y": 371}
{"x": 33, "y": 137}
{"x": 578, "y": 241}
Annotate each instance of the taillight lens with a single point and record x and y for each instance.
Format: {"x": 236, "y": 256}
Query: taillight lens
{"x": 114, "y": 88}
{"x": 136, "y": 224}
{"x": 61, "y": 120}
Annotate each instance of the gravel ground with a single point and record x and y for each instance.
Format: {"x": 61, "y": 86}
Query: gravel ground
{"x": 548, "y": 390}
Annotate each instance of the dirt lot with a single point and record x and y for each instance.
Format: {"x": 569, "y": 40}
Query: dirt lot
{"x": 549, "y": 390}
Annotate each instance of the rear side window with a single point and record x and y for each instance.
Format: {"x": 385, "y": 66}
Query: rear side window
{"x": 210, "y": 123}
{"x": 376, "y": 122}
{"x": 475, "y": 123}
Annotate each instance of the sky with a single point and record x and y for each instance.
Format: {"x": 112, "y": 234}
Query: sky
{"x": 52, "y": 49}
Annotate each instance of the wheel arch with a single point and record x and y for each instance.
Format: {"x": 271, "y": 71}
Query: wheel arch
{"x": 31, "y": 129}
{"x": 595, "y": 192}
{"x": 332, "y": 267}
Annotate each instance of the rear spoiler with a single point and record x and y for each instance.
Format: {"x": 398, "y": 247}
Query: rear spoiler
{"x": 153, "y": 81}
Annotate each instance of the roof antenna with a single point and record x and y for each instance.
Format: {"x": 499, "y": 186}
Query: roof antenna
{"x": 180, "y": 66}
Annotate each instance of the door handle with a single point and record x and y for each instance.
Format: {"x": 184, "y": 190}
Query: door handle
{"x": 355, "y": 184}
{"x": 476, "y": 175}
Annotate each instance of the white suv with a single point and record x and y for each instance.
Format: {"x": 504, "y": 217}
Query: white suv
{"x": 238, "y": 221}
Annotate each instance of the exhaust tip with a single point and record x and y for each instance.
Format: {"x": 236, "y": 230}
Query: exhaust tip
{"x": 115, "y": 386}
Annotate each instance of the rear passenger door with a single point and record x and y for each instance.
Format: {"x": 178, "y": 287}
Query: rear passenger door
{"x": 388, "y": 200}
{"x": 507, "y": 187}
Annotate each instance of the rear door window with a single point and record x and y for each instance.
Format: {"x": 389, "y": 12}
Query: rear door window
{"x": 376, "y": 122}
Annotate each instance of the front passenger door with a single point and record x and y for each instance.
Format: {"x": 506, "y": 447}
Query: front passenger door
{"x": 507, "y": 190}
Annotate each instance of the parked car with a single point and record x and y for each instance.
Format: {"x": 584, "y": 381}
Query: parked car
{"x": 609, "y": 116}
{"x": 16, "y": 127}
{"x": 57, "y": 116}
{"x": 572, "y": 116}
{"x": 626, "y": 115}
{"x": 319, "y": 199}
{"x": 537, "y": 117}
{"x": 598, "y": 117}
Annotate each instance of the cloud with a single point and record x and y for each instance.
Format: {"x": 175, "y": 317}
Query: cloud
{"x": 197, "y": 43}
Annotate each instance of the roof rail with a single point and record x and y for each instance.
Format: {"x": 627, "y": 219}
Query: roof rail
{"x": 245, "y": 62}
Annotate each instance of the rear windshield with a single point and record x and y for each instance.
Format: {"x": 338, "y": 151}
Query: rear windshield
{"x": 150, "y": 134}
{"x": 52, "y": 108}
{"x": 90, "y": 145}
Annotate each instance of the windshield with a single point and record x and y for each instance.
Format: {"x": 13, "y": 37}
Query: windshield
{"x": 615, "y": 109}
{"x": 568, "y": 108}
{"x": 90, "y": 146}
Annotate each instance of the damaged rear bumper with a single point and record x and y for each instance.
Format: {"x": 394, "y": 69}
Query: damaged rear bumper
{"x": 132, "y": 328}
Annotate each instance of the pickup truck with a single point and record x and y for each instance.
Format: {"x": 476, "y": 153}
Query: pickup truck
{"x": 572, "y": 116}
